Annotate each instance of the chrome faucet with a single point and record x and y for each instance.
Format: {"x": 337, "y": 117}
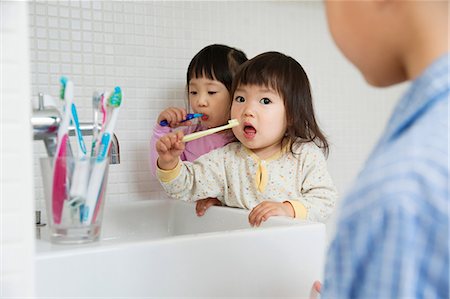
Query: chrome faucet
{"x": 45, "y": 122}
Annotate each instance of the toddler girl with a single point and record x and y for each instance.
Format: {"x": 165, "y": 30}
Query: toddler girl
{"x": 278, "y": 167}
{"x": 209, "y": 77}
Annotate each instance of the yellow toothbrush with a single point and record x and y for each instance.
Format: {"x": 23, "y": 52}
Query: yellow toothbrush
{"x": 231, "y": 123}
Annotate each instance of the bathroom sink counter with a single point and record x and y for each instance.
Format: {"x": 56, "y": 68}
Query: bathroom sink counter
{"x": 162, "y": 248}
{"x": 163, "y": 220}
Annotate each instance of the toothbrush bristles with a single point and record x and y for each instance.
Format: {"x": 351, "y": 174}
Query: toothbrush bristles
{"x": 62, "y": 91}
{"x": 116, "y": 98}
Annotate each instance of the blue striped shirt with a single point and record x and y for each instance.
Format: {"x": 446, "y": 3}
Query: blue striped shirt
{"x": 392, "y": 239}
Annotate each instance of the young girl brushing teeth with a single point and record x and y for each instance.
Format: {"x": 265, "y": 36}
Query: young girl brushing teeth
{"x": 209, "y": 78}
{"x": 278, "y": 167}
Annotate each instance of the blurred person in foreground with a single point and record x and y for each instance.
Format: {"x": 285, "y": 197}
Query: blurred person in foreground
{"x": 392, "y": 239}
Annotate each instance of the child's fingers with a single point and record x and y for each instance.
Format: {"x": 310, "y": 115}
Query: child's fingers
{"x": 212, "y": 202}
{"x": 176, "y": 141}
{"x": 255, "y": 215}
{"x": 263, "y": 211}
{"x": 273, "y": 211}
{"x": 168, "y": 142}
{"x": 204, "y": 204}
{"x": 200, "y": 207}
{"x": 166, "y": 115}
{"x": 252, "y": 216}
{"x": 164, "y": 143}
{"x": 160, "y": 147}
{"x": 260, "y": 217}
{"x": 179, "y": 135}
{"x": 180, "y": 114}
{"x": 173, "y": 139}
{"x": 173, "y": 115}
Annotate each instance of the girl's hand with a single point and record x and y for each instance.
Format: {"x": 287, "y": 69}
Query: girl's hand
{"x": 174, "y": 116}
{"x": 266, "y": 209}
{"x": 203, "y": 204}
{"x": 169, "y": 148}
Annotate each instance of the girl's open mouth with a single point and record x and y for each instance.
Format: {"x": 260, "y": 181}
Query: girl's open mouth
{"x": 205, "y": 117}
{"x": 249, "y": 131}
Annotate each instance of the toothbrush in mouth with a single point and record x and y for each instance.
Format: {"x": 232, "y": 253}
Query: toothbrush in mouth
{"x": 189, "y": 116}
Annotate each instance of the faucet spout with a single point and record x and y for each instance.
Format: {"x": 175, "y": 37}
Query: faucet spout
{"x": 46, "y": 121}
{"x": 114, "y": 151}
{"x": 87, "y": 129}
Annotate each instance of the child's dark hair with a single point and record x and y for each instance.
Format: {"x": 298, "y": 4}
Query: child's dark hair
{"x": 216, "y": 62}
{"x": 286, "y": 76}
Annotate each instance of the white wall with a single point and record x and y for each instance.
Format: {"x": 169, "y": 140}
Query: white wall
{"x": 16, "y": 176}
{"x": 145, "y": 48}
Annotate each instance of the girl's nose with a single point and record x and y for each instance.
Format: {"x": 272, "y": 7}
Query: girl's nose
{"x": 248, "y": 111}
{"x": 202, "y": 101}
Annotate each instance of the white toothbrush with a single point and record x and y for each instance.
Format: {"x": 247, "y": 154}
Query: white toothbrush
{"x": 231, "y": 123}
{"x": 96, "y": 102}
{"x": 81, "y": 172}
{"x": 95, "y": 182}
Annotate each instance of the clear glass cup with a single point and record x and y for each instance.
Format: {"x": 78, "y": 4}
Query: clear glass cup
{"x": 74, "y": 191}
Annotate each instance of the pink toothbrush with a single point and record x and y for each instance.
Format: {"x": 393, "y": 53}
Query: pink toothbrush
{"x": 59, "y": 190}
{"x": 102, "y": 108}
{"x": 59, "y": 193}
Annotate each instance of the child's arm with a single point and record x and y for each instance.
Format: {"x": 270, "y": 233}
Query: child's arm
{"x": 158, "y": 132}
{"x": 319, "y": 194}
{"x": 191, "y": 181}
{"x": 174, "y": 116}
{"x": 267, "y": 209}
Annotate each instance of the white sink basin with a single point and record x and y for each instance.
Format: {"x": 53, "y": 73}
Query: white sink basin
{"x": 160, "y": 248}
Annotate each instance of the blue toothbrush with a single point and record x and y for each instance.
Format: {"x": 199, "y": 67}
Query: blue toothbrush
{"x": 189, "y": 116}
{"x": 94, "y": 190}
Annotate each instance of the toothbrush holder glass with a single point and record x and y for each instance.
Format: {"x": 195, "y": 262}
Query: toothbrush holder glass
{"x": 74, "y": 191}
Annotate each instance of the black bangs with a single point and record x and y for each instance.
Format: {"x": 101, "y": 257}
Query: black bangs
{"x": 209, "y": 67}
{"x": 216, "y": 62}
{"x": 270, "y": 69}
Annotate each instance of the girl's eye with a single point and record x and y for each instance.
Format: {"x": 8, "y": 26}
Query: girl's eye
{"x": 265, "y": 101}
{"x": 239, "y": 99}
{"x": 193, "y": 93}
{"x": 212, "y": 92}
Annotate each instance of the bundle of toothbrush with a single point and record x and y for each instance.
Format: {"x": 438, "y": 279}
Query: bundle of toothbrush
{"x": 83, "y": 194}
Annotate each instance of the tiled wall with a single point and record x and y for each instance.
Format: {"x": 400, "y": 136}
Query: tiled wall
{"x": 145, "y": 47}
{"x": 16, "y": 178}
